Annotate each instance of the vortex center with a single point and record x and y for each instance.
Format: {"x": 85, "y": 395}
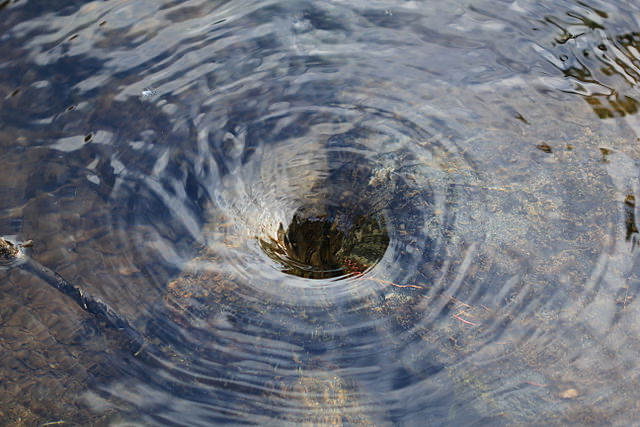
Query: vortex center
{"x": 328, "y": 245}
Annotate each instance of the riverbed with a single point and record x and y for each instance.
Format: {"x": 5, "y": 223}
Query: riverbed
{"x": 322, "y": 212}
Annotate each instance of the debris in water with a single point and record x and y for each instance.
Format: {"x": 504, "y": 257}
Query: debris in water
{"x": 7, "y": 249}
{"x": 147, "y": 93}
{"x": 570, "y": 393}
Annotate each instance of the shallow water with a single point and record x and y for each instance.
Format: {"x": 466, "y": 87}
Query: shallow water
{"x": 151, "y": 148}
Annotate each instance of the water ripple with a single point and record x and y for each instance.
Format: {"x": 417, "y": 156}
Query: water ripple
{"x": 487, "y": 265}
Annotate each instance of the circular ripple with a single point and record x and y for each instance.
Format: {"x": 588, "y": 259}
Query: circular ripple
{"x": 339, "y": 162}
{"x": 253, "y": 115}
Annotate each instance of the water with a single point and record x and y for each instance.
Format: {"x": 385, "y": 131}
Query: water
{"x": 481, "y": 155}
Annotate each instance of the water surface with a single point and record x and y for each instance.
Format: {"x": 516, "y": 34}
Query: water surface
{"x": 473, "y": 162}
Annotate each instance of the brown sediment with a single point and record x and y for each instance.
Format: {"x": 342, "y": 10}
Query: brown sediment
{"x": 316, "y": 395}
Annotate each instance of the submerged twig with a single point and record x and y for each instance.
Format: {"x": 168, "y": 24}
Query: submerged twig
{"x": 386, "y": 282}
{"x": 457, "y": 316}
{"x": 92, "y": 305}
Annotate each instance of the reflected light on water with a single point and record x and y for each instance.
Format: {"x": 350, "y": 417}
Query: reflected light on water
{"x": 321, "y": 213}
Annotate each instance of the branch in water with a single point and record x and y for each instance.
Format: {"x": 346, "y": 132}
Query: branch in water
{"x": 94, "y": 306}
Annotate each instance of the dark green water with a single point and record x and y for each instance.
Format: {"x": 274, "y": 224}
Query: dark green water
{"x": 474, "y": 165}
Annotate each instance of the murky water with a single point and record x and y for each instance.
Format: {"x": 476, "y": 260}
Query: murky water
{"x": 465, "y": 173}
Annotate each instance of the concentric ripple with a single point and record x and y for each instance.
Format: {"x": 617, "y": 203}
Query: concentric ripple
{"x": 356, "y": 213}
{"x": 332, "y": 163}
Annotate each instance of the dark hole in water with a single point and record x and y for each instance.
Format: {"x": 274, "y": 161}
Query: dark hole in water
{"x": 328, "y": 245}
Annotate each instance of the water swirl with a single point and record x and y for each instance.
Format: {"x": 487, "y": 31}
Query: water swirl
{"x": 336, "y": 213}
